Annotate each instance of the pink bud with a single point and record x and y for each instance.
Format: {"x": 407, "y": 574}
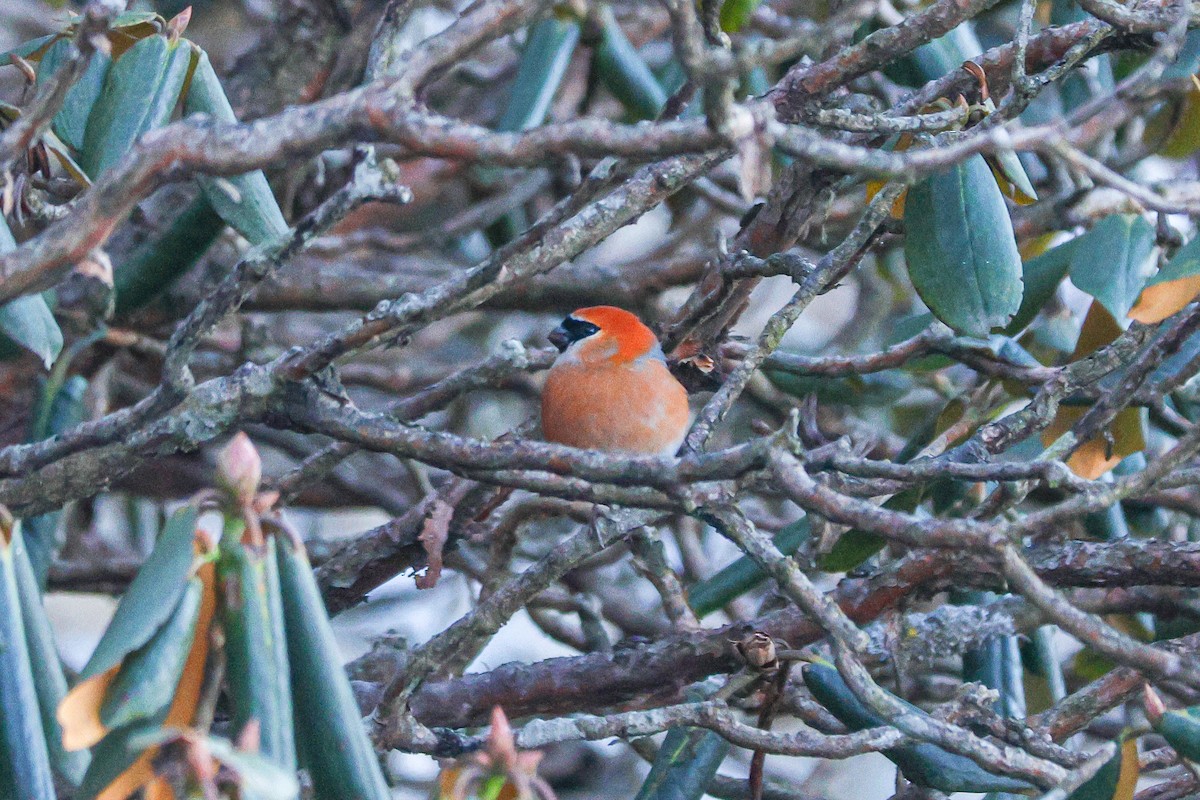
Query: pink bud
{"x": 1155, "y": 708}
{"x": 500, "y": 743}
{"x": 239, "y": 468}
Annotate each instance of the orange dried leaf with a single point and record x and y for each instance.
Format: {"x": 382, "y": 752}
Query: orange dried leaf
{"x": 1160, "y": 300}
{"x": 1099, "y": 329}
{"x": 187, "y": 694}
{"x": 183, "y": 706}
{"x": 79, "y": 712}
{"x": 159, "y": 789}
{"x": 874, "y": 187}
{"x": 1097, "y": 456}
{"x": 140, "y": 773}
{"x": 1130, "y": 770}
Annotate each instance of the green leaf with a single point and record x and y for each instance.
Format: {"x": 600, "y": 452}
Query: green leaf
{"x": 52, "y": 416}
{"x": 70, "y": 123}
{"x": 146, "y": 682}
{"x": 962, "y": 257}
{"x": 253, "y": 213}
{"x": 155, "y": 265}
{"x": 257, "y": 668}
{"x": 544, "y": 62}
{"x": 335, "y": 750}
{"x": 875, "y": 389}
{"x": 1108, "y": 262}
{"x": 24, "y": 761}
{"x": 924, "y": 764}
{"x": 114, "y": 754}
{"x": 623, "y": 71}
{"x": 855, "y": 546}
{"x": 1116, "y": 779}
{"x": 49, "y": 682}
{"x": 140, "y": 92}
{"x": 1041, "y": 277}
{"x": 686, "y": 762}
{"x": 1171, "y": 288}
{"x": 1010, "y": 173}
{"x": 736, "y": 13}
{"x": 743, "y": 574}
{"x": 31, "y": 50}
{"x": 996, "y": 663}
{"x": 1040, "y": 657}
{"x": 1187, "y": 63}
{"x": 151, "y": 598}
{"x": 27, "y": 320}
{"x": 934, "y": 59}
{"x": 1184, "y": 264}
{"x": 1181, "y": 729}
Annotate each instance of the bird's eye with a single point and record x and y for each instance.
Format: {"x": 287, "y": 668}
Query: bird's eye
{"x": 578, "y": 329}
{"x": 571, "y": 330}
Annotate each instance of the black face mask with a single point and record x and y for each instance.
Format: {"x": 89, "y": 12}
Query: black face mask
{"x": 571, "y": 330}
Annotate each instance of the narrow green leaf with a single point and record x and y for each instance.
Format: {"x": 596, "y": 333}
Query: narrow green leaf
{"x": 158, "y": 263}
{"x": 70, "y": 123}
{"x": 1181, "y": 729}
{"x": 623, "y": 71}
{"x": 924, "y": 764}
{"x": 855, "y": 546}
{"x": 1118, "y": 778}
{"x": 62, "y": 412}
{"x": 962, "y": 257}
{"x": 1109, "y": 261}
{"x": 151, "y": 598}
{"x": 114, "y": 754}
{"x": 743, "y": 575}
{"x": 543, "y": 64}
{"x": 1040, "y": 657}
{"x": 1009, "y": 166}
{"x": 876, "y": 389}
{"x": 253, "y": 213}
{"x": 140, "y": 92}
{"x": 31, "y": 50}
{"x": 24, "y": 761}
{"x": 257, "y": 668}
{"x": 336, "y": 751}
{"x": 48, "y": 680}
{"x": 946, "y": 54}
{"x": 934, "y": 59}
{"x": 686, "y": 762}
{"x": 146, "y": 682}
{"x": 996, "y": 663}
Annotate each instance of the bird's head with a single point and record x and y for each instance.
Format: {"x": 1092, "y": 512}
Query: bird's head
{"x": 604, "y": 334}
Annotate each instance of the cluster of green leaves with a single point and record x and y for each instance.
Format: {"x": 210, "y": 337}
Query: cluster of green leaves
{"x": 145, "y": 683}
{"x": 150, "y": 73}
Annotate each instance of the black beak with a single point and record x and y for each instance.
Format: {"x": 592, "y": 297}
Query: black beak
{"x": 560, "y": 338}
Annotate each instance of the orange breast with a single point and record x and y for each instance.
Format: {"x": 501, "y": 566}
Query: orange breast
{"x": 637, "y": 407}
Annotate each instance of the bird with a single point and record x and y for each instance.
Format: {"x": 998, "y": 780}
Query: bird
{"x": 610, "y": 389}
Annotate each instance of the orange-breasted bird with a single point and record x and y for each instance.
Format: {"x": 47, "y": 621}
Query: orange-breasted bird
{"x": 610, "y": 388}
